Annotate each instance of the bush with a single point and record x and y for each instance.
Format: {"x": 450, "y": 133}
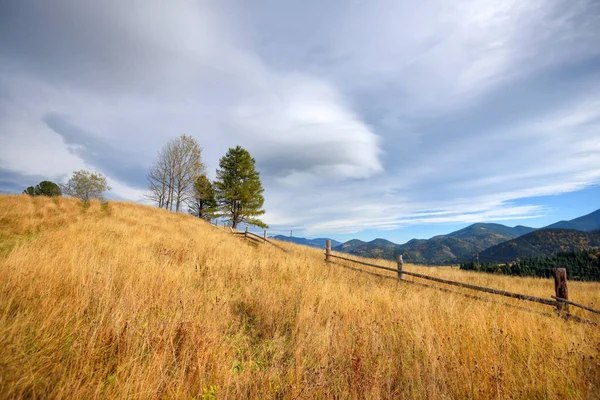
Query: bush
{"x": 44, "y": 188}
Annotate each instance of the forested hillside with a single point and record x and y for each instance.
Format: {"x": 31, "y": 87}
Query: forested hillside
{"x": 581, "y": 265}
{"x": 543, "y": 242}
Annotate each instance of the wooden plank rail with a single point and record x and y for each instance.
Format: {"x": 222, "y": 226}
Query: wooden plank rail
{"x": 264, "y": 239}
{"x": 259, "y": 239}
{"x": 485, "y": 289}
{"x": 365, "y": 263}
{"x": 459, "y": 284}
{"x": 560, "y": 299}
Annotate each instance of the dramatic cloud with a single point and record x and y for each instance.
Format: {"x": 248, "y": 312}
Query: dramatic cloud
{"x": 361, "y": 115}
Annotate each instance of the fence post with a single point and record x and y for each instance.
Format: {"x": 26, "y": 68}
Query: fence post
{"x": 560, "y": 287}
{"x": 327, "y": 250}
{"x": 246, "y": 233}
{"x": 400, "y": 266}
{"x": 265, "y": 236}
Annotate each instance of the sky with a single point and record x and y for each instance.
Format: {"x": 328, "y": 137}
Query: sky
{"x": 366, "y": 118}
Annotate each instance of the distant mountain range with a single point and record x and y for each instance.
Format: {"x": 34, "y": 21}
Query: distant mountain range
{"x": 378, "y": 248}
{"x": 493, "y": 242}
{"x": 442, "y": 249}
{"x": 319, "y": 242}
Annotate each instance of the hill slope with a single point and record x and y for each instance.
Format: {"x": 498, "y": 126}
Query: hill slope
{"x": 588, "y": 223}
{"x": 128, "y": 301}
{"x": 443, "y": 249}
{"x": 543, "y": 242}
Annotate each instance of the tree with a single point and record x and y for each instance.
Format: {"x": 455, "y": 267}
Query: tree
{"x": 171, "y": 178}
{"x": 86, "y": 185}
{"x": 203, "y": 204}
{"x": 44, "y": 188}
{"x": 238, "y": 189}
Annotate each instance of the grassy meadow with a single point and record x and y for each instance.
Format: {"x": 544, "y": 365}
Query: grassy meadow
{"x": 128, "y": 301}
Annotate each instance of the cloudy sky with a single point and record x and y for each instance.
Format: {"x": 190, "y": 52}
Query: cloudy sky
{"x": 367, "y": 119}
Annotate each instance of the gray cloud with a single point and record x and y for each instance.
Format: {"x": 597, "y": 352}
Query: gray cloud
{"x": 13, "y": 182}
{"x": 120, "y": 164}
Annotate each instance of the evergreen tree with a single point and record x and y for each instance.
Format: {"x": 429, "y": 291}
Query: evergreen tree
{"x": 30, "y": 191}
{"x": 238, "y": 189}
{"x": 203, "y": 203}
{"x": 44, "y": 188}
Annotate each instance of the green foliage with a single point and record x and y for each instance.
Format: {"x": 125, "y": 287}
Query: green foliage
{"x": 238, "y": 189}
{"x": 581, "y": 265}
{"x": 86, "y": 185}
{"x": 203, "y": 203}
{"x": 44, "y": 188}
{"x": 210, "y": 393}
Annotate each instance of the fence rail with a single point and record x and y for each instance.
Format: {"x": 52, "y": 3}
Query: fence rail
{"x": 561, "y": 301}
{"x": 250, "y": 236}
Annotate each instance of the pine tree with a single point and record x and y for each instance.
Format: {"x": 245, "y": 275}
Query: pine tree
{"x": 203, "y": 203}
{"x": 238, "y": 189}
{"x": 44, "y": 188}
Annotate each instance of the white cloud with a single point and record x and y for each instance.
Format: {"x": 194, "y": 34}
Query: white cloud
{"x": 301, "y": 130}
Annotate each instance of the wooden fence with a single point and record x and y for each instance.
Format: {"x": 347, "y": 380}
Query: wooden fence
{"x": 561, "y": 299}
{"x": 251, "y": 236}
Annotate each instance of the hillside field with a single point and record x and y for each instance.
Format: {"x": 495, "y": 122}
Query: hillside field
{"x": 128, "y": 301}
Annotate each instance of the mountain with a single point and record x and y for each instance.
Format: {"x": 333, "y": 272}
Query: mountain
{"x": 543, "y": 242}
{"x": 442, "y": 249}
{"x": 378, "y": 248}
{"x": 319, "y": 242}
{"x": 481, "y": 230}
{"x": 587, "y": 223}
{"x": 349, "y": 246}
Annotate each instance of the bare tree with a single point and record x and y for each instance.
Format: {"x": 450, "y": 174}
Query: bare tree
{"x": 171, "y": 178}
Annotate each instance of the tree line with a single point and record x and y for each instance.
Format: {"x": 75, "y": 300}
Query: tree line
{"x": 178, "y": 179}
{"x": 581, "y": 265}
{"x": 84, "y": 185}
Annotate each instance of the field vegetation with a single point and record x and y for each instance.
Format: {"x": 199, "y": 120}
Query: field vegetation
{"x": 119, "y": 300}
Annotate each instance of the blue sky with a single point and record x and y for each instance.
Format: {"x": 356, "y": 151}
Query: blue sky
{"x": 366, "y": 118}
{"x": 565, "y": 206}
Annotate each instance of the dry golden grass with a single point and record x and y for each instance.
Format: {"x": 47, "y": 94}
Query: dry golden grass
{"x": 127, "y": 301}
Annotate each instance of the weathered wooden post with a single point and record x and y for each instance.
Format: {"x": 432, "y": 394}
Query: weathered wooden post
{"x": 560, "y": 287}
{"x": 265, "y": 236}
{"x": 400, "y": 266}
{"x": 246, "y": 233}
{"x": 327, "y": 250}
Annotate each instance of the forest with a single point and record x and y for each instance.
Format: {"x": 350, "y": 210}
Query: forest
{"x": 581, "y": 265}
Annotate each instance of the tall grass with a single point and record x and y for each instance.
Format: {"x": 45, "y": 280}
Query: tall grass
{"x": 128, "y": 301}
